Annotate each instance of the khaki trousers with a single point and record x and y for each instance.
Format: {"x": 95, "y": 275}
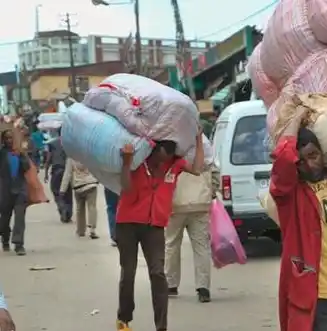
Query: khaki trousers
{"x": 196, "y": 225}
{"x": 89, "y": 199}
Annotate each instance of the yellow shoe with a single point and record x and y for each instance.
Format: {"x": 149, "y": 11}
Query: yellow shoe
{"x": 121, "y": 326}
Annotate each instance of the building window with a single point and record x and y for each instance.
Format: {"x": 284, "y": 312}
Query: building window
{"x": 55, "y": 41}
{"x": 46, "y": 56}
{"x": 55, "y": 56}
{"x": 29, "y": 61}
{"x": 37, "y": 58}
{"x": 85, "y": 55}
{"x": 65, "y": 58}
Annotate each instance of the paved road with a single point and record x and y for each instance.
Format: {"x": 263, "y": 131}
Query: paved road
{"x": 86, "y": 274}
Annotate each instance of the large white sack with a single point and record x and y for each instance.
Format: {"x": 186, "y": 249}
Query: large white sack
{"x": 147, "y": 108}
{"x": 95, "y": 139}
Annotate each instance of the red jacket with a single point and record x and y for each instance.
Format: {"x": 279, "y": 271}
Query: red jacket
{"x": 149, "y": 201}
{"x": 299, "y": 216}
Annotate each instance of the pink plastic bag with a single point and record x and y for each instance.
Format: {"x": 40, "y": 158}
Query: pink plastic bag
{"x": 226, "y": 247}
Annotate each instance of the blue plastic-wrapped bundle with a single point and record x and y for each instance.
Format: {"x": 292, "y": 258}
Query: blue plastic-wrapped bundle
{"x": 95, "y": 139}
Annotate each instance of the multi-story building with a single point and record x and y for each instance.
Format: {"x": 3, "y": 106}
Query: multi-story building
{"x": 50, "y": 49}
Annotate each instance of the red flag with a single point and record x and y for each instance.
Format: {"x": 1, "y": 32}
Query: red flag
{"x": 189, "y": 66}
{"x": 202, "y": 61}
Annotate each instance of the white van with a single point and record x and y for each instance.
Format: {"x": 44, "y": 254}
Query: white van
{"x": 242, "y": 158}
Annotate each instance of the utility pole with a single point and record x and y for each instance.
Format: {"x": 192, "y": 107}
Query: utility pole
{"x": 183, "y": 58}
{"x": 138, "y": 45}
{"x": 73, "y": 89}
{"x": 37, "y": 19}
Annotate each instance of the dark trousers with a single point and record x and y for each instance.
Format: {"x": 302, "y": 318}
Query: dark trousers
{"x": 64, "y": 202}
{"x": 112, "y": 203}
{"x": 320, "y": 323}
{"x": 16, "y": 203}
{"x": 152, "y": 240}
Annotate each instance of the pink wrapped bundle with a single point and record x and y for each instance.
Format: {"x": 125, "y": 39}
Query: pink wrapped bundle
{"x": 317, "y": 17}
{"x": 310, "y": 77}
{"x": 261, "y": 83}
{"x": 288, "y": 41}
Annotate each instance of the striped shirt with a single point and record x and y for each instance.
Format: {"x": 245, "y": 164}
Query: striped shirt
{"x": 3, "y": 304}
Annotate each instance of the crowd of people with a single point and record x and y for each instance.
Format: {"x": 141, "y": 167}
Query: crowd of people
{"x": 145, "y": 207}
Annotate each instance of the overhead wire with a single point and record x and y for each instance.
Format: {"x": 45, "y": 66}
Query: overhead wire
{"x": 226, "y": 28}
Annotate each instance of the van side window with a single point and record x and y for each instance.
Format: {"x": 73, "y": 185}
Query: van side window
{"x": 250, "y": 143}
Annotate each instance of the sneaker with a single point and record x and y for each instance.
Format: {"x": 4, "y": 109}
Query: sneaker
{"x": 203, "y": 295}
{"x": 6, "y": 247}
{"x": 122, "y": 326}
{"x": 20, "y": 250}
{"x": 93, "y": 235}
{"x": 173, "y": 291}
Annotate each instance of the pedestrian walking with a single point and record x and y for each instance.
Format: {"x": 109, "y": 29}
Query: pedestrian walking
{"x": 191, "y": 206}
{"x": 299, "y": 189}
{"x": 13, "y": 193}
{"x": 112, "y": 203}
{"x": 6, "y": 321}
{"x": 85, "y": 187}
{"x": 144, "y": 208}
{"x": 56, "y": 161}
{"x": 37, "y": 139}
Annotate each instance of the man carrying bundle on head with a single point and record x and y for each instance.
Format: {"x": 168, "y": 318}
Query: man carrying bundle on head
{"x": 299, "y": 189}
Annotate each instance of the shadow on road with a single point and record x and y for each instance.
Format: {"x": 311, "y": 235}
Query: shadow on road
{"x": 262, "y": 248}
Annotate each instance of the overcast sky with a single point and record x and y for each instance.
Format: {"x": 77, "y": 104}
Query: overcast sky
{"x": 212, "y": 19}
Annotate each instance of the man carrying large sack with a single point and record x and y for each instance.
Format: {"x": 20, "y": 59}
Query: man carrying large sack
{"x": 144, "y": 208}
{"x": 191, "y": 206}
{"x": 299, "y": 189}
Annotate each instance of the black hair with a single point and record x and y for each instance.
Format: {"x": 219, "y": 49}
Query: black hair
{"x": 168, "y": 145}
{"x": 305, "y": 137}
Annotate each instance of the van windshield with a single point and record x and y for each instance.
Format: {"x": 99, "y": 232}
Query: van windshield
{"x": 250, "y": 144}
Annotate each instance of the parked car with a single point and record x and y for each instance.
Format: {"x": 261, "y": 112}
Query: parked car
{"x": 243, "y": 163}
